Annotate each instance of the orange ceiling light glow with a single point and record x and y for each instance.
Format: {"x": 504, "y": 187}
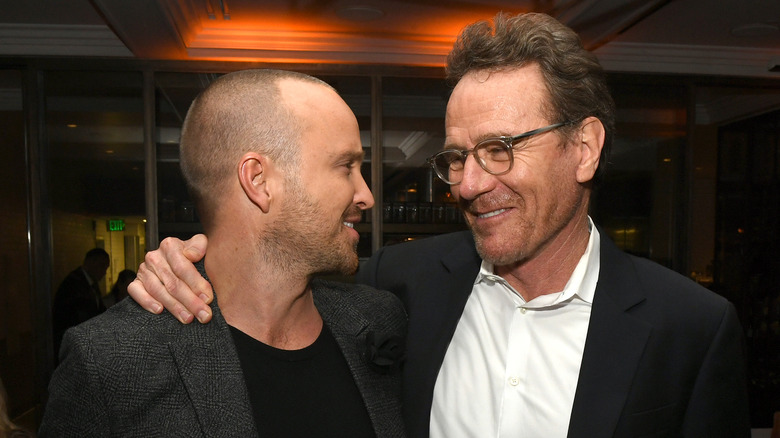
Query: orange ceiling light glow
{"x": 319, "y": 46}
{"x": 337, "y": 31}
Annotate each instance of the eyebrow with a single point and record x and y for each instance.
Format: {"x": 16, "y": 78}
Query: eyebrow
{"x": 478, "y": 140}
{"x": 350, "y": 156}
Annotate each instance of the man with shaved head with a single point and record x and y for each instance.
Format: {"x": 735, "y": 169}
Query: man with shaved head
{"x": 272, "y": 159}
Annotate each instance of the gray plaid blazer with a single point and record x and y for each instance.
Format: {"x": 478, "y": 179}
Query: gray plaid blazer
{"x": 130, "y": 373}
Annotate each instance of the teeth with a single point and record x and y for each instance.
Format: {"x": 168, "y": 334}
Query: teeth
{"x": 492, "y": 213}
{"x": 349, "y": 224}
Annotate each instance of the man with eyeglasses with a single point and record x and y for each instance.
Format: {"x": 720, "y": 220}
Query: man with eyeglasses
{"x": 534, "y": 324}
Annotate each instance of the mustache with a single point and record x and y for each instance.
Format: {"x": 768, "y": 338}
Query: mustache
{"x": 487, "y": 202}
{"x": 351, "y": 212}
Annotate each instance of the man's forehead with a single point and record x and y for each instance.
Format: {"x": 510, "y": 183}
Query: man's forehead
{"x": 523, "y": 83}
{"x": 331, "y": 138}
{"x": 483, "y": 100}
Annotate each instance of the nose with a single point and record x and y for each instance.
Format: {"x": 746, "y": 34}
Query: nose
{"x": 363, "y": 197}
{"x": 475, "y": 182}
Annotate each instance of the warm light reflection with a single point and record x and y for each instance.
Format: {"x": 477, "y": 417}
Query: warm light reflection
{"x": 279, "y": 32}
{"x": 318, "y": 46}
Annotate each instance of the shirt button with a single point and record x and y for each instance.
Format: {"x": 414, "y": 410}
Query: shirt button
{"x": 523, "y": 310}
{"x": 514, "y": 381}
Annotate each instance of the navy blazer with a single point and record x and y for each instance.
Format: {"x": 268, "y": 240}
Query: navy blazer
{"x": 663, "y": 356}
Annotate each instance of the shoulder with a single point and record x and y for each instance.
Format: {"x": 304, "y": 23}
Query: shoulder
{"x": 443, "y": 243}
{"x": 415, "y": 258}
{"x": 118, "y": 334}
{"x": 127, "y": 319}
{"x": 621, "y": 269}
{"x": 364, "y": 298}
{"x": 74, "y": 279}
{"x": 678, "y": 290}
{"x": 670, "y": 284}
{"x": 658, "y": 293}
{"x": 126, "y": 345}
{"x": 118, "y": 346}
{"x": 348, "y": 304}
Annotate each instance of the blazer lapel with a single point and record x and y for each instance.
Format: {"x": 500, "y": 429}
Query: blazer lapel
{"x": 455, "y": 283}
{"x": 434, "y": 315}
{"x": 613, "y": 347}
{"x": 349, "y": 327}
{"x": 208, "y": 365}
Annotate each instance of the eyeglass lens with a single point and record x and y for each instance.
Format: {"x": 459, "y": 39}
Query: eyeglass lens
{"x": 494, "y": 156}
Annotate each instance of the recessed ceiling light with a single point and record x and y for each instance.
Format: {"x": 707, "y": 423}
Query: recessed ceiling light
{"x": 755, "y": 30}
{"x": 360, "y": 13}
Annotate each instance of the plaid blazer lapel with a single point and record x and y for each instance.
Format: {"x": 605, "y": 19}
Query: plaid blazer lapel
{"x": 208, "y": 364}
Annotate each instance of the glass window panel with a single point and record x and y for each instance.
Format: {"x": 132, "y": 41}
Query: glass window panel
{"x": 638, "y": 201}
{"x": 747, "y": 252}
{"x": 94, "y": 128}
{"x": 416, "y": 203}
{"x": 174, "y": 92}
{"x": 17, "y": 347}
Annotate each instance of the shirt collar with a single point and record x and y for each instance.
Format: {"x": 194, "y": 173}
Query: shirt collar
{"x": 581, "y": 284}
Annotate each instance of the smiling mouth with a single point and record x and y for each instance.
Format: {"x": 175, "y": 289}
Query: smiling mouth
{"x": 491, "y": 213}
{"x": 349, "y": 224}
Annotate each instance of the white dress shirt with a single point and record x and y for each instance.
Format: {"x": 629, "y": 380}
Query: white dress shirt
{"x": 511, "y": 368}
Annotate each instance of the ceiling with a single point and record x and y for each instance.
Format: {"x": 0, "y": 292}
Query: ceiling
{"x": 703, "y": 37}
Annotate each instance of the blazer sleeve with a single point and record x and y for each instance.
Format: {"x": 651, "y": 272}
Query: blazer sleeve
{"x": 76, "y": 405}
{"x": 721, "y": 386}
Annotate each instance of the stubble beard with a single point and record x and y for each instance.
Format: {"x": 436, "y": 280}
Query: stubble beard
{"x": 506, "y": 254}
{"x": 507, "y": 247}
{"x": 300, "y": 242}
{"x": 519, "y": 242}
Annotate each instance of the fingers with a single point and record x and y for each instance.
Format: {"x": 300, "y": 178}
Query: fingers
{"x": 157, "y": 292}
{"x": 184, "y": 291}
{"x": 194, "y": 250}
{"x": 167, "y": 278}
{"x": 195, "y": 247}
{"x": 139, "y": 294}
{"x": 147, "y": 287}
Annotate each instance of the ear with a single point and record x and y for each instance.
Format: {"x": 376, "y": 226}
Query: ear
{"x": 252, "y": 175}
{"x": 590, "y": 142}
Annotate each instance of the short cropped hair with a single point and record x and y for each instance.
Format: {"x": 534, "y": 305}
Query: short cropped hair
{"x": 240, "y": 112}
{"x": 575, "y": 80}
{"x": 96, "y": 254}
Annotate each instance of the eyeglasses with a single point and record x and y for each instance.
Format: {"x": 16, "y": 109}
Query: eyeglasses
{"x": 494, "y": 155}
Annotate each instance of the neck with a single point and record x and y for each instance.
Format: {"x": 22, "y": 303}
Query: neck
{"x": 549, "y": 270}
{"x": 274, "y": 306}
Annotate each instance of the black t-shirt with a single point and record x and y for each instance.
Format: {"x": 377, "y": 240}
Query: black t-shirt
{"x": 302, "y": 393}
